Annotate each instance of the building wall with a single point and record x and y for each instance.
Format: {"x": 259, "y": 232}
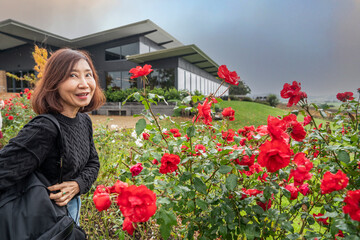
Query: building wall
{"x": 2, "y": 81}
{"x": 192, "y": 78}
{"x": 146, "y": 45}
{"x": 97, "y": 53}
{"x": 18, "y": 58}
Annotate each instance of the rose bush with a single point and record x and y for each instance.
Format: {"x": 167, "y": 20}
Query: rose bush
{"x": 276, "y": 181}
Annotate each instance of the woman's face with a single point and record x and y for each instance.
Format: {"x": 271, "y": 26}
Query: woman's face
{"x": 78, "y": 89}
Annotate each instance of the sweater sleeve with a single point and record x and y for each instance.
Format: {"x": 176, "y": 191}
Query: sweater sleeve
{"x": 89, "y": 173}
{"x": 25, "y": 152}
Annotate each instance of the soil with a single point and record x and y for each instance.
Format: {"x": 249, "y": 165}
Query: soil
{"x": 115, "y": 122}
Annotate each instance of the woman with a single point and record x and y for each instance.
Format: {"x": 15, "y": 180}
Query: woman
{"x": 68, "y": 89}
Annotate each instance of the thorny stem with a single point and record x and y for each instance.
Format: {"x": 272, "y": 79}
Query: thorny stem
{"x": 144, "y": 78}
{"x": 219, "y": 87}
{"x": 225, "y": 91}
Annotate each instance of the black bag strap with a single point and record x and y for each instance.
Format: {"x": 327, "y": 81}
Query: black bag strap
{"x": 60, "y": 141}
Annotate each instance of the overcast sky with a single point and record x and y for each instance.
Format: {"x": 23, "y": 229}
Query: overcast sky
{"x": 267, "y": 42}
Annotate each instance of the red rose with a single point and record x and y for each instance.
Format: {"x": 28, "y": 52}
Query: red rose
{"x": 246, "y": 160}
{"x": 146, "y": 136}
{"x": 293, "y": 93}
{"x": 136, "y": 169}
{"x": 176, "y": 132}
{"x": 11, "y": 117}
{"x": 169, "y": 163}
{"x": 138, "y": 203}
{"x": 128, "y": 226}
{"x": 333, "y": 182}
{"x": 199, "y": 149}
{"x": 264, "y": 205}
{"x": 345, "y": 96}
{"x": 339, "y": 234}
{"x": 352, "y": 206}
{"x": 304, "y": 189}
{"x": 262, "y": 130}
{"x": 321, "y": 220}
{"x": 229, "y": 113}
{"x": 101, "y": 198}
{"x": 296, "y": 129}
{"x": 274, "y": 155}
{"x": 204, "y": 113}
{"x": 119, "y": 186}
{"x": 140, "y": 71}
{"x": 250, "y": 192}
{"x": 294, "y": 191}
{"x": 307, "y": 120}
{"x": 302, "y": 172}
{"x": 227, "y": 76}
{"x": 276, "y": 128}
{"x": 228, "y": 135}
{"x": 155, "y": 162}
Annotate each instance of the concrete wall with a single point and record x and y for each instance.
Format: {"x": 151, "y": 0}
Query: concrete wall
{"x": 131, "y": 108}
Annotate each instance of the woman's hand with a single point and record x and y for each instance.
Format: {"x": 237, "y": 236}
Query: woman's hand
{"x": 68, "y": 190}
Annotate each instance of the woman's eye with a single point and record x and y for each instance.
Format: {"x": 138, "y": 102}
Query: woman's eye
{"x": 88, "y": 75}
{"x": 72, "y": 75}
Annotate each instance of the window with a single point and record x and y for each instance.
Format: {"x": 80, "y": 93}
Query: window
{"x": 14, "y": 85}
{"x": 112, "y": 54}
{"x": 120, "y": 52}
{"x": 163, "y": 78}
{"x": 119, "y": 80}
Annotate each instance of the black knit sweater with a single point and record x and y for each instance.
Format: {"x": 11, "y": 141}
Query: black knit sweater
{"x": 36, "y": 148}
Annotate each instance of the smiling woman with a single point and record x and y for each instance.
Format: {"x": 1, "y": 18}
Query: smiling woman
{"x": 68, "y": 89}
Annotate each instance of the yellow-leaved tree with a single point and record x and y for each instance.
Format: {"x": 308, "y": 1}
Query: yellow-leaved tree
{"x": 40, "y": 56}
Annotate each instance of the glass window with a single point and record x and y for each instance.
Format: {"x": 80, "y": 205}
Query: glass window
{"x": 14, "y": 85}
{"x": 163, "y": 78}
{"x": 112, "y": 54}
{"x": 126, "y": 81}
{"x": 129, "y": 49}
{"x": 113, "y": 79}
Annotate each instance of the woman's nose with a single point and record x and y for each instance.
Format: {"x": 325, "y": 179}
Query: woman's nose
{"x": 83, "y": 82}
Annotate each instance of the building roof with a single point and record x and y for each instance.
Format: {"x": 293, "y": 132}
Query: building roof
{"x": 190, "y": 53}
{"x": 13, "y": 34}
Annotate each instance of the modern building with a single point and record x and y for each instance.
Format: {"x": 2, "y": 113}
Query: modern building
{"x": 114, "y": 53}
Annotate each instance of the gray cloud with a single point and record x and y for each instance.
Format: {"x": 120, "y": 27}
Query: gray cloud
{"x": 268, "y": 43}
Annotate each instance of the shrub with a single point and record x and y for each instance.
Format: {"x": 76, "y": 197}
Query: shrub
{"x": 247, "y": 99}
{"x": 273, "y": 100}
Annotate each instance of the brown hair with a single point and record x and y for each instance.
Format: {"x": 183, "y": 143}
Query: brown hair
{"x": 58, "y": 67}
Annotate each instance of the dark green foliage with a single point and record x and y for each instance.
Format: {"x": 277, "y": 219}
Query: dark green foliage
{"x": 272, "y": 99}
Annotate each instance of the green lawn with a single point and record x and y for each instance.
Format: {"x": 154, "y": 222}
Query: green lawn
{"x": 251, "y": 113}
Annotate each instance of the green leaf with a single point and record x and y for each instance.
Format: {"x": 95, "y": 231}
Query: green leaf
{"x": 190, "y": 131}
{"x": 163, "y": 201}
{"x": 165, "y": 231}
{"x": 200, "y": 185}
{"x": 191, "y": 205}
{"x": 231, "y": 182}
{"x": 187, "y": 99}
{"x": 225, "y": 169}
{"x": 343, "y": 156}
{"x": 267, "y": 192}
{"x": 287, "y": 226}
{"x": 323, "y": 113}
{"x": 137, "y": 96}
{"x": 157, "y": 139}
{"x": 202, "y": 204}
{"x": 140, "y": 126}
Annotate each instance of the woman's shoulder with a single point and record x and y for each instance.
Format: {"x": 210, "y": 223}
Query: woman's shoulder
{"x": 43, "y": 123}
{"x": 85, "y": 117}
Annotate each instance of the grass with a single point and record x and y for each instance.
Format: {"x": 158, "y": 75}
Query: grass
{"x": 251, "y": 113}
